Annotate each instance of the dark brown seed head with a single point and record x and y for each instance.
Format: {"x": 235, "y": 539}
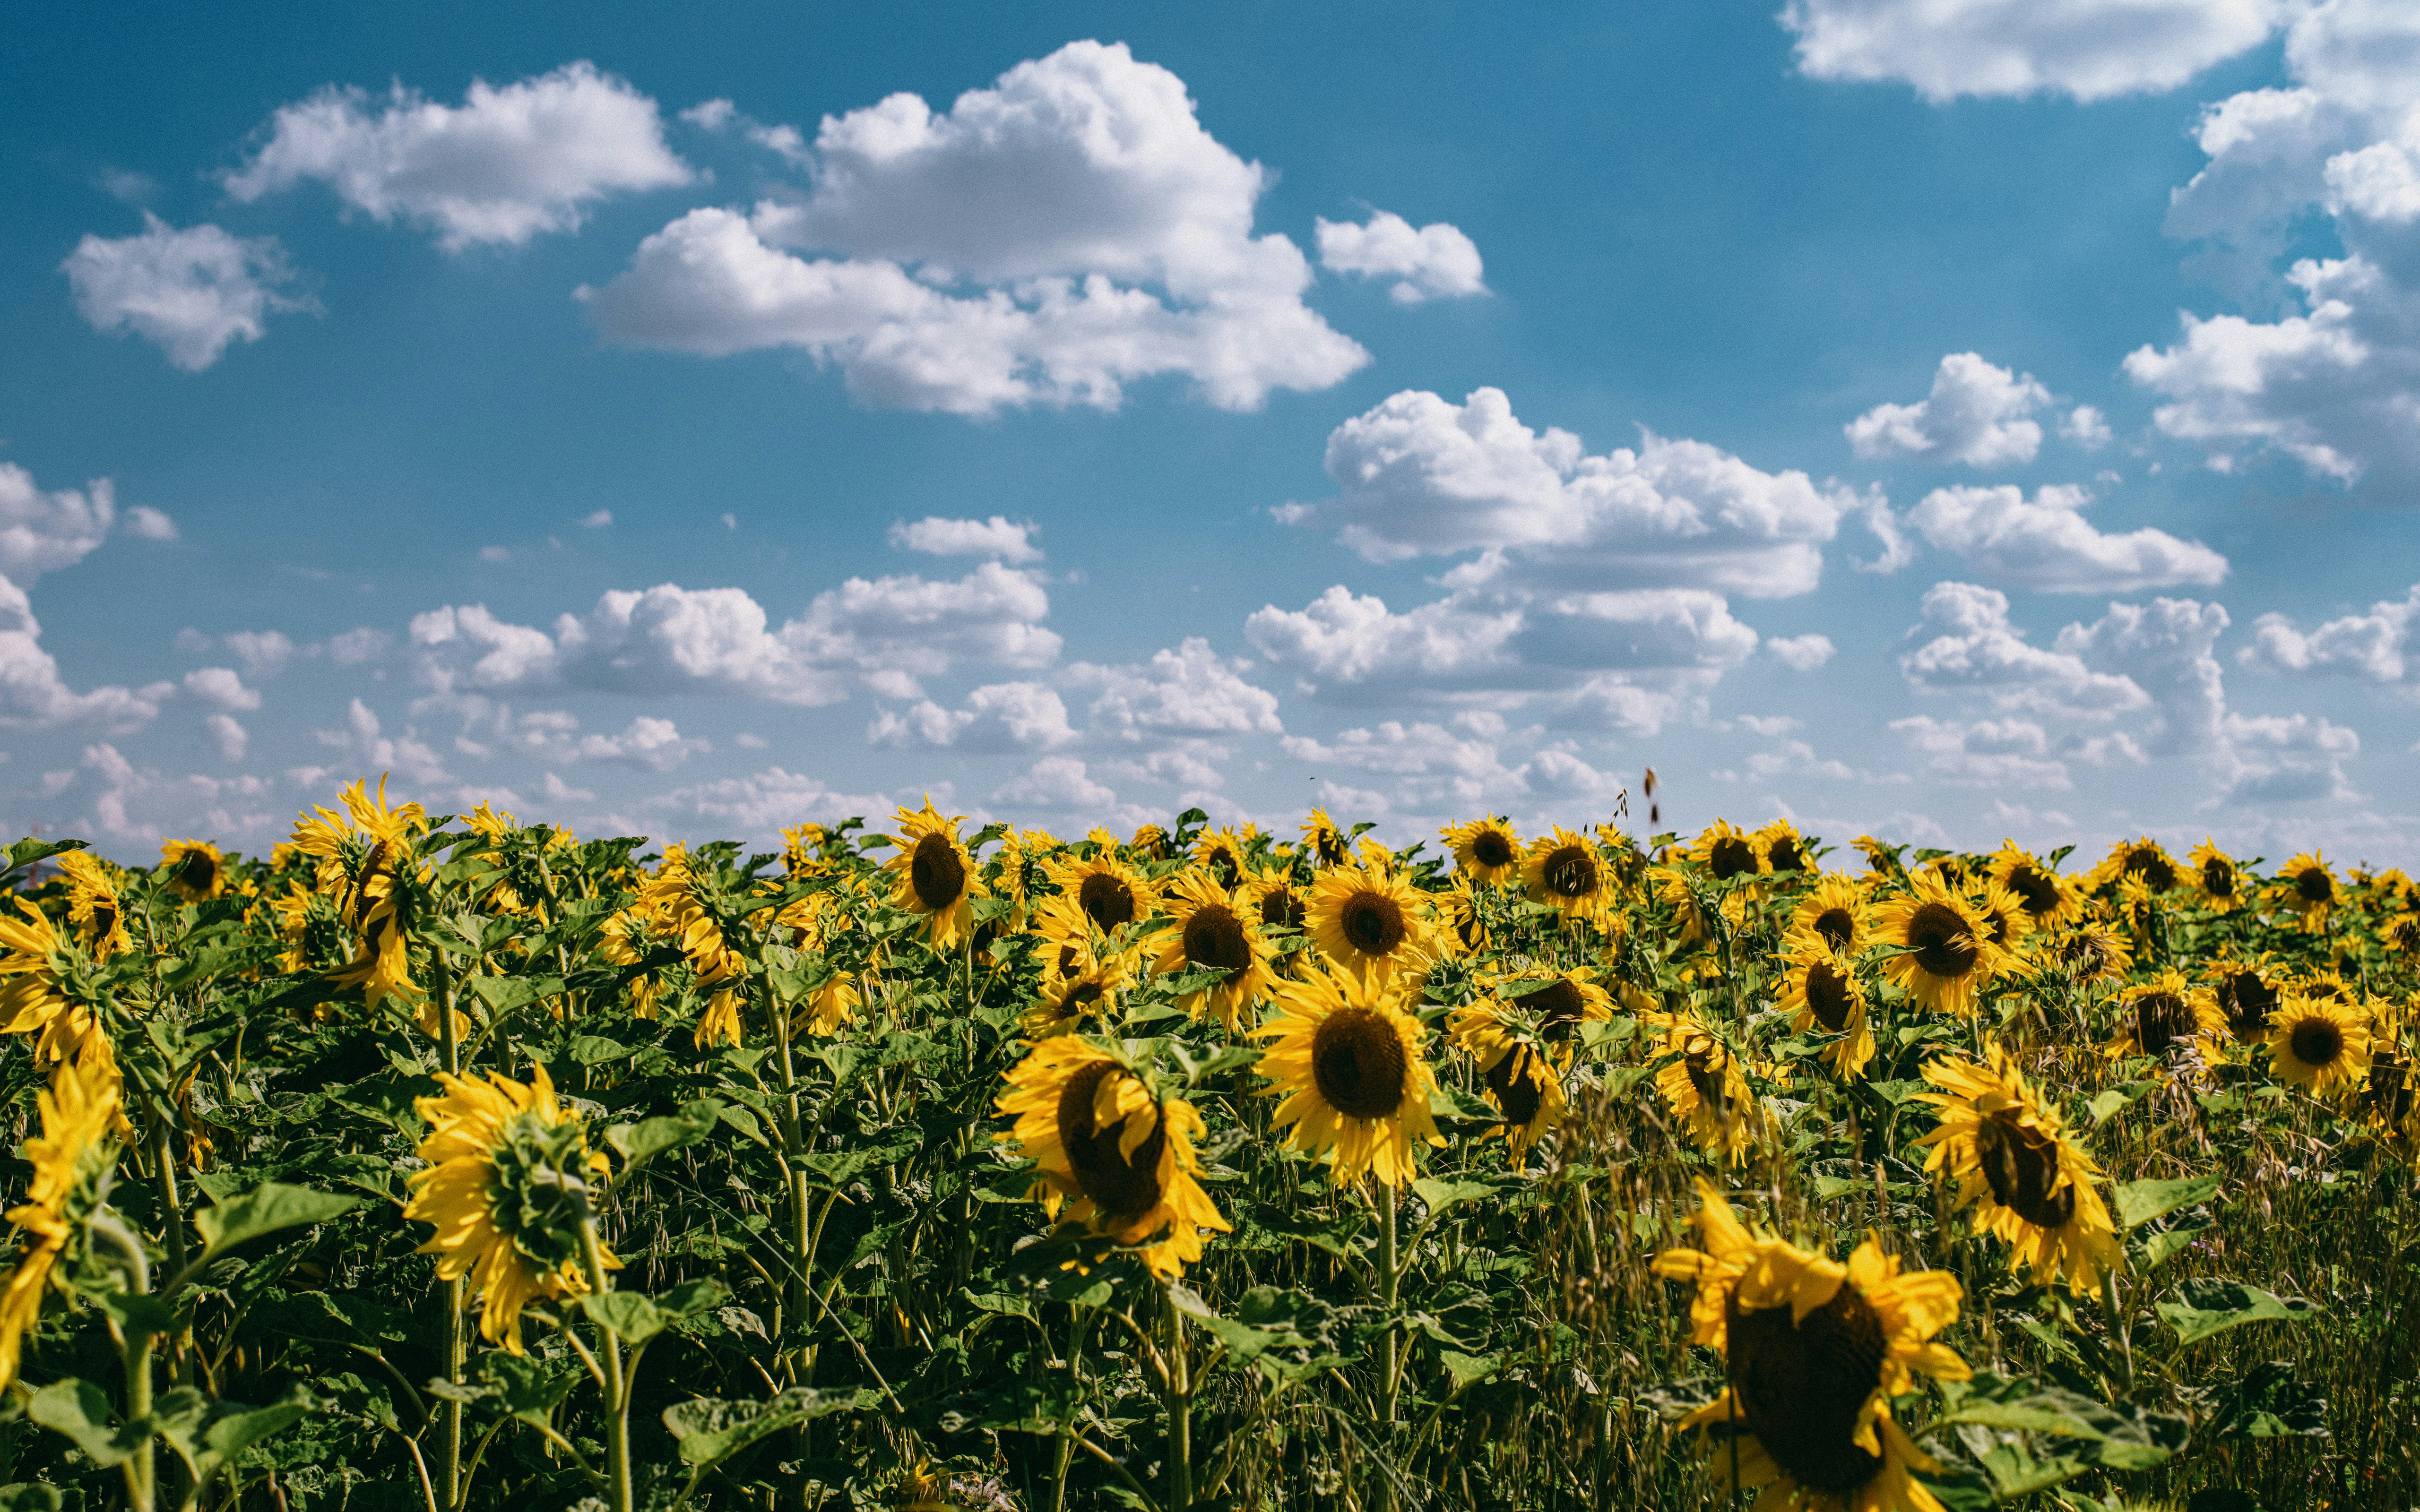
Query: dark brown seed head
{"x": 1830, "y": 995}
{"x": 197, "y": 872}
{"x": 2248, "y": 1002}
{"x": 1571, "y": 871}
{"x": 1106, "y": 900}
{"x": 2034, "y": 888}
{"x": 1942, "y": 945}
{"x": 2022, "y": 1165}
{"x": 1838, "y": 926}
{"x": 1515, "y": 1081}
{"x": 2218, "y": 877}
{"x": 1492, "y": 847}
{"x": 2317, "y": 1042}
{"x": 2161, "y": 1019}
{"x": 1708, "y": 1065}
{"x": 1730, "y": 857}
{"x": 1281, "y": 908}
{"x": 2314, "y": 886}
{"x": 1801, "y": 1386}
{"x": 2152, "y": 866}
{"x": 1373, "y": 922}
{"x": 1785, "y": 856}
{"x": 1214, "y": 937}
{"x": 935, "y": 873}
{"x": 1559, "y": 1006}
{"x": 1120, "y": 1187}
{"x": 1359, "y": 1065}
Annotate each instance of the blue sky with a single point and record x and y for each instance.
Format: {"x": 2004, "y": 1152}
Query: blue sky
{"x": 1943, "y": 420}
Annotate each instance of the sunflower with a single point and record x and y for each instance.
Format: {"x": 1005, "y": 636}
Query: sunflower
{"x": 1323, "y": 839}
{"x": 506, "y": 1189}
{"x": 1367, "y": 919}
{"x": 1564, "y": 871}
{"x": 1112, "y": 893}
{"x": 2215, "y": 876}
{"x": 1122, "y": 1155}
{"x": 1558, "y": 1006}
{"x": 2155, "y": 1017}
{"x": 1814, "y": 1351}
{"x": 2247, "y": 993}
{"x": 2320, "y": 1046}
{"x": 1485, "y": 850}
{"x": 2304, "y": 886}
{"x": 1726, "y": 853}
{"x": 1516, "y": 1076}
{"x": 1783, "y": 849}
{"x": 2005, "y": 921}
{"x": 2090, "y": 954}
{"x": 363, "y": 857}
{"x": 92, "y": 906}
{"x": 1465, "y": 926}
{"x": 1222, "y": 852}
{"x": 1881, "y": 856}
{"x": 1822, "y": 990}
{"x": 2029, "y": 1184}
{"x": 1211, "y": 927}
{"x": 1083, "y": 970}
{"x": 936, "y": 876}
{"x": 34, "y": 966}
{"x": 2144, "y": 859}
{"x": 1946, "y": 950}
{"x": 2386, "y": 1099}
{"x": 1152, "y": 843}
{"x": 1273, "y": 894}
{"x": 194, "y": 870}
{"x": 2048, "y": 899}
{"x": 1704, "y": 1085}
{"x": 1347, "y": 1061}
{"x": 79, "y": 1111}
{"x": 1834, "y": 909}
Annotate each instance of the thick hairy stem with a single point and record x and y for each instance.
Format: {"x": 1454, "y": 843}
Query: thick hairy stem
{"x": 1388, "y": 1344}
{"x": 172, "y": 1211}
{"x": 457, "y": 1341}
{"x": 1177, "y": 1394}
{"x": 617, "y": 1389}
{"x": 141, "y": 1467}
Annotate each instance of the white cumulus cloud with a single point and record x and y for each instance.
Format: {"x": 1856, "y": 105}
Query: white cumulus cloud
{"x": 190, "y": 292}
{"x": 2087, "y": 48}
{"x": 503, "y": 166}
{"x": 2370, "y": 645}
{"x": 998, "y": 536}
{"x": 2047, "y": 544}
{"x": 1436, "y": 261}
{"x": 1977, "y": 413}
{"x": 1000, "y": 716}
{"x": 33, "y": 696}
{"x": 1069, "y": 231}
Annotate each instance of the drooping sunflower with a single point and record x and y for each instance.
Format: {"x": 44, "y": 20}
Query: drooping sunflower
{"x": 1947, "y": 952}
{"x": 1326, "y": 842}
{"x": 194, "y": 870}
{"x": 2304, "y": 886}
{"x": 507, "y": 1184}
{"x": 1083, "y": 970}
{"x": 936, "y": 876}
{"x": 1558, "y": 1006}
{"x": 2387, "y": 1101}
{"x": 2247, "y": 990}
{"x": 1485, "y": 850}
{"x": 1123, "y": 1157}
{"x": 1783, "y": 849}
{"x": 2156, "y": 1016}
{"x": 671, "y": 895}
{"x": 1366, "y": 919}
{"x": 1705, "y": 1085}
{"x": 2215, "y": 876}
{"x": 1281, "y": 904}
{"x": 1516, "y": 1076}
{"x": 1814, "y": 1350}
{"x": 1564, "y": 871}
{"x": 92, "y": 905}
{"x": 1820, "y": 990}
{"x": 1222, "y": 852}
{"x": 2050, "y": 900}
{"x": 2143, "y": 859}
{"x": 2006, "y": 921}
{"x": 1208, "y": 926}
{"x": 79, "y": 1110}
{"x": 1726, "y": 852}
{"x": 367, "y": 862}
{"x": 1836, "y": 909}
{"x": 34, "y": 961}
{"x": 1881, "y": 856}
{"x": 1347, "y": 1061}
{"x": 2031, "y": 1184}
{"x": 2320, "y": 1046}
{"x": 1112, "y": 892}
{"x": 1464, "y": 931}
{"x": 2090, "y": 954}
{"x": 1152, "y": 843}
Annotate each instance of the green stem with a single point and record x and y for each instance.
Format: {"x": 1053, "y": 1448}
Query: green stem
{"x": 141, "y": 1467}
{"x": 617, "y": 1389}
{"x": 173, "y": 1219}
{"x": 1177, "y": 1396}
{"x": 457, "y": 1340}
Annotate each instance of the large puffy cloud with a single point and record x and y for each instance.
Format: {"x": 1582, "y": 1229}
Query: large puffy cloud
{"x": 189, "y": 293}
{"x": 2334, "y": 384}
{"x": 1047, "y": 240}
{"x": 45, "y": 529}
{"x": 1985, "y": 753}
{"x": 884, "y": 632}
{"x": 1417, "y": 475}
{"x": 2165, "y": 648}
{"x": 1977, "y": 413}
{"x": 1190, "y": 691}
{"x": 502, "y": 167}
{"x": 2370, "y": 645}
{"x": 1972, "y": 646}
{"x": 1000, "y": 716}
{"x": 1437, "y": 261}
{"x": 2088, "y": 49}
{"x": 2046, "y": 544}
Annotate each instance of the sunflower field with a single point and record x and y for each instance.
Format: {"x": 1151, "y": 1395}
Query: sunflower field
{"x": 445, "y": 1163}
